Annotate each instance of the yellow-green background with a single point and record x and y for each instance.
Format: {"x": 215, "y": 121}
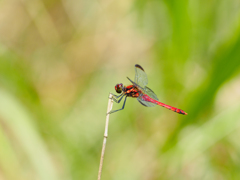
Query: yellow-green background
{"x": 60, "y": 59}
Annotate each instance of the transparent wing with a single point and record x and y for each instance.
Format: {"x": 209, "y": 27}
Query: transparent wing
{"x": 141, "y": 81}
{"x": 135, "y": 84}
{"x": 140, "y": 76}
{"x": 145, "y": 100}
{"x": 150, "y": 93}
{"x": 145, "y": 103}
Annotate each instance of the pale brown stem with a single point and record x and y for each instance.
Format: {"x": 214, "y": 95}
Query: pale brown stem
{"x": 110, "y": 104}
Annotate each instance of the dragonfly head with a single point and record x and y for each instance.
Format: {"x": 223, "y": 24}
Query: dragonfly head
{"x": 119, "y": 88}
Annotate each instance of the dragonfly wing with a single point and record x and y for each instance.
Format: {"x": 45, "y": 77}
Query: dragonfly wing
{"x": 145, "y": 100}
{"x": 135, "y": 84}
{"x": 140, "y": 76}
{"x": 150, "y": 93}
{"x": 142, "y": 102}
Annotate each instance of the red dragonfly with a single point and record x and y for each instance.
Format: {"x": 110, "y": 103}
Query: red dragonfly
{"x": 139, "y": 90}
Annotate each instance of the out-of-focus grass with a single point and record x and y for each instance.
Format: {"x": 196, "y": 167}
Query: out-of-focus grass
{"x": 17, "y": 124}
{"x": 60, "y": 59}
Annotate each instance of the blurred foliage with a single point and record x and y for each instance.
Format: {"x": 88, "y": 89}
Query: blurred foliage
{"x": 60, "y": 59}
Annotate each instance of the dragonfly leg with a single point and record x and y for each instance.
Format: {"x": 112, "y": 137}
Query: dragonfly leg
{"x": 119, "y": 100}
{"x": 115, "y": 98}
{"x": 122, "y": 106}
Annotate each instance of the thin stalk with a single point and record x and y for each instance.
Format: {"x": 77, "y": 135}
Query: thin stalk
{"x": 110, "y": 104}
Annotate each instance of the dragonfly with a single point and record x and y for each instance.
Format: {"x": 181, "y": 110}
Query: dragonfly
{"x": 139, "y": 90}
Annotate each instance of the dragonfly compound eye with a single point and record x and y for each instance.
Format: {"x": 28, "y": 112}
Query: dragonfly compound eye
{"x": 118, "y": 88}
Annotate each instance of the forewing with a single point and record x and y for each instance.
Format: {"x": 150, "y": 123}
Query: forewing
{"x": 140, "y": 76}
{"x": 135, "y": 84}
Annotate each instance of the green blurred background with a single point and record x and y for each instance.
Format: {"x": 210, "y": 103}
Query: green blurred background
{"x": 60, "y": 59}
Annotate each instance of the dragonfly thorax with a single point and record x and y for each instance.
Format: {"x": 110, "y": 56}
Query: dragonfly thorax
{"x": 119, "y": 88}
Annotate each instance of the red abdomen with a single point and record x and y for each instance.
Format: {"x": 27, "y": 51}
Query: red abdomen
{"x": 147, "y": 98}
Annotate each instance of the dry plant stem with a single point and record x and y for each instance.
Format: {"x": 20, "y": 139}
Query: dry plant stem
{"x": 110, "y": 104}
